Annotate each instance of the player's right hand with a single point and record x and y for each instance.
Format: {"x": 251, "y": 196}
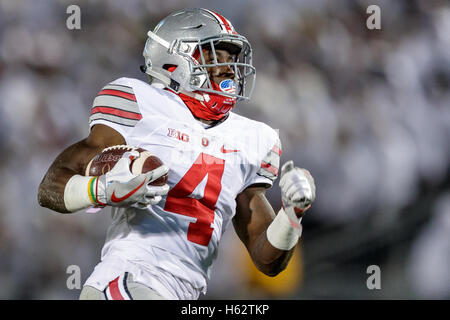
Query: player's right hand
{"x": 121, "y": 188}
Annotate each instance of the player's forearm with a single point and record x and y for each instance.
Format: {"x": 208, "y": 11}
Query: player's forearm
{"x": 254, "y": 217}
{"x": 51, "y": 189}
{"x": 69, "y": 163}
{"x": 268, "y": 259}
{"x": 276, "y": 245}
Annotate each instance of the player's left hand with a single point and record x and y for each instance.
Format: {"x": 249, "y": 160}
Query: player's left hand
{"x": 298, "y": 190}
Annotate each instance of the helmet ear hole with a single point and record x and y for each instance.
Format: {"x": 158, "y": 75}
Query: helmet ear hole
{"x": 170, "y": 67}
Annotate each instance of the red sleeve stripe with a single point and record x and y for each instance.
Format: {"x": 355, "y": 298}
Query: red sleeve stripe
{"x": 117, "y": 112}
{"x": 277, "y": 150}
{"x": 269, "y": 167}
{"x": 118, "y": 93}
{"x": 114, "y": 290}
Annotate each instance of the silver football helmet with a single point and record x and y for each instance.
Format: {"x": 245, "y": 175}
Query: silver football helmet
{"x": 174, "y": 54}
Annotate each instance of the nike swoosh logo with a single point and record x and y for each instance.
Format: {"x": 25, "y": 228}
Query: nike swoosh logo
{"x": 223, "y": 150}
{"x": 129, "y": 194}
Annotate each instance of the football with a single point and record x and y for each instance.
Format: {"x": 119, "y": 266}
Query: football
{"x": 106, "y": 160}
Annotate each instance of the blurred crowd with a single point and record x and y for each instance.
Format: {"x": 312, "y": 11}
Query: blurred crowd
{"x": 366, "y": 111}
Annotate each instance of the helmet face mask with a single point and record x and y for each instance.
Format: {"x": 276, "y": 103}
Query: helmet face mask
{"x": 175, "y": 54}
{"x": 241, "y": 65}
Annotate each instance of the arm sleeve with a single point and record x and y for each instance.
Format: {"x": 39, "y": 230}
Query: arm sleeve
{"x": 116, "y": 106}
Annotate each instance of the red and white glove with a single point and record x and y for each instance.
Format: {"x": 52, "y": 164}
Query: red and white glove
{"x": 117, "y": 188}
{"x": 120, "y": 188}
{"x": 298, "y": 191}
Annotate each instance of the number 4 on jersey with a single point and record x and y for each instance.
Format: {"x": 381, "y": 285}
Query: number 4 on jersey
{"x": 178, "y": 200}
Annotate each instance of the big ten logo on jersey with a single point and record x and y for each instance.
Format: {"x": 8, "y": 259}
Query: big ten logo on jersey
{"x": 185, "y": 137}
{"x": 173, "y": 133}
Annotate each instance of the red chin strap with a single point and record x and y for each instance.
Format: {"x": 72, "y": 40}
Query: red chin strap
{"x": 213, "y": 108}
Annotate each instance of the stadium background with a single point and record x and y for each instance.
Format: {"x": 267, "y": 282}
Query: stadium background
{"x": 366, "y": 111}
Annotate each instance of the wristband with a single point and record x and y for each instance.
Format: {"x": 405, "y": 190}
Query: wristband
{"x": 80, "y": 192}
{"x": 283, "y": 233}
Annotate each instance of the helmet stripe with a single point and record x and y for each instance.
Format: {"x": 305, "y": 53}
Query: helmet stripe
{"x": 224, "y": 23}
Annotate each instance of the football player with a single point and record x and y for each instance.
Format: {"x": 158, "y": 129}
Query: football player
{"x": 163, "y": 239}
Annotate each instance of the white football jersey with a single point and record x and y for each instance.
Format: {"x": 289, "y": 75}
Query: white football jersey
{"x": 171, "y": 246}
